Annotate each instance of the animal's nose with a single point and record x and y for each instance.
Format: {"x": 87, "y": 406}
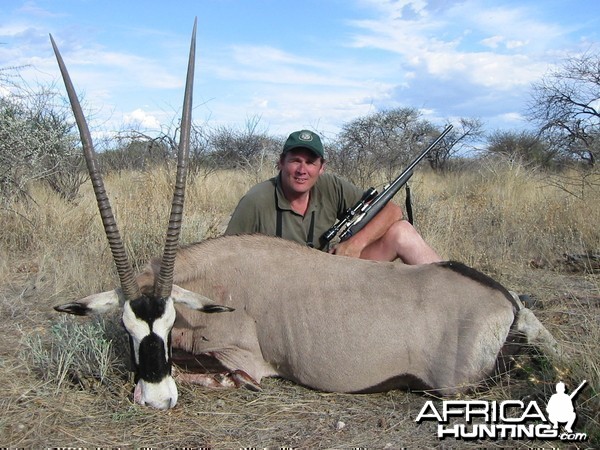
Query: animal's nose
{"x": 161, "y": 404}
{"x": 172, "y": 402}
{"x": 165, "y": 404}
{"x": 161, "y": 395}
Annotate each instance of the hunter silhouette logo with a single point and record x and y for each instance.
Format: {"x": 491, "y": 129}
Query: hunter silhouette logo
{"x": 560, "y": 407}
{"x": 509, "y": 419}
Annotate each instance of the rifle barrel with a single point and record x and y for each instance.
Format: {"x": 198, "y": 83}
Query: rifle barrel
{"x": 424, "y": 153}
{"x": 574, "y": 393}
{"x": 386, "y": 195}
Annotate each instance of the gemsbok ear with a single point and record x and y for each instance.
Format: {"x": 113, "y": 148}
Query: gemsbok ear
{"x": 196, "y": 301}
{"x": 94, "y": 304}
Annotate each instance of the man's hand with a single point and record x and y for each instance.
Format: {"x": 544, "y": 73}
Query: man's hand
{"x": 347, "y": 248}
{"x": 373, "y": 231}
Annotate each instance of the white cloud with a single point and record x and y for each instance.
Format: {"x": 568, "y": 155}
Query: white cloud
{"x": 518, "y": 22}
{"x": 142, "y": 119}
{"x": 487, "y": 69}
{"x": 399, "y": 9}
{"x": 269, "y": 65}
{"x": 493, "y": 42}
{"x": 13, "y": 29}
{"x": 435, "y": 46}
{"x": 31, "y": 8}
{"x": 284, "y": 109}
{"x": 512, "y": 117}
{"x": 149, "y": 73}
{"x": 291, "y": 91}
{"x": 516, "y": 44}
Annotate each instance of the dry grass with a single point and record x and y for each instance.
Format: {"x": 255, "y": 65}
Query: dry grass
{"x": 504, "y": 220}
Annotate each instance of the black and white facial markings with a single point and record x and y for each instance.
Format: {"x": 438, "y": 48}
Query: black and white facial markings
{"x": 149, "y": 323}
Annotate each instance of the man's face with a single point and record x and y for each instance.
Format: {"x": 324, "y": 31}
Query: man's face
{"x": 300, "y": 169}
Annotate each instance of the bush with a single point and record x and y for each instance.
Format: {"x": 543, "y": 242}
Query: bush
{"x": 37, "y": 141}
{"x": 80, "y": 353}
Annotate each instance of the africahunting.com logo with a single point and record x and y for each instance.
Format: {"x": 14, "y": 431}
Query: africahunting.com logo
{"x": 509, "y": 419}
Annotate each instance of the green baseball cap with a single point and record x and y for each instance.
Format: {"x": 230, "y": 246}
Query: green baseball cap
{"x": 304, "y": 139}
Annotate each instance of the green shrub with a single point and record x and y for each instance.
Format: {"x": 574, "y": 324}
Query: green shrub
{"x": 83, "y": 353}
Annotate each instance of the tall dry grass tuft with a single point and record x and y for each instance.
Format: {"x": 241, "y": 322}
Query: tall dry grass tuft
{"x": 503, "y": 216}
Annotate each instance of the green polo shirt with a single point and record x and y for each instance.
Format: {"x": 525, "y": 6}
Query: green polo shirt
{"x": 257, "y": 211}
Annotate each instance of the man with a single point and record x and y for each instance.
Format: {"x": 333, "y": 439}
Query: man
{"x": 303, "y": 202}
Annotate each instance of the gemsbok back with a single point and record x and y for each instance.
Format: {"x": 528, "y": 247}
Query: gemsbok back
{"x": 327, "y": 322}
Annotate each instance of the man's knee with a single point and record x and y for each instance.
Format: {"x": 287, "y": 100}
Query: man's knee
{"x": 409, "y": 244}
{"x": 401, "y": 231}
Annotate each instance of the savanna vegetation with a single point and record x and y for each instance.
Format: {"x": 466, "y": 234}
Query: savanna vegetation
{"x": 520, "y": 206}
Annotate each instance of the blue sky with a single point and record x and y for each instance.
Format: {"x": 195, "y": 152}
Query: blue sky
{"x": 298, "y": 64}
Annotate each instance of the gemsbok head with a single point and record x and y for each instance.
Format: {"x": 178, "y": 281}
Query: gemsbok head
{"x": 148, "y": 315}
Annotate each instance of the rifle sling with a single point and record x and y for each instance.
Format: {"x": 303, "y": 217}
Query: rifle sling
{"x": 408, "y": 203}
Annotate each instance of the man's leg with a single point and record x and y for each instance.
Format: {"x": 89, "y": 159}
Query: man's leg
{"x": 402, "y": 241}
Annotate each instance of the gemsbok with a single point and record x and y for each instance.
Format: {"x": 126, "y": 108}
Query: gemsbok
{"x": 327, "y": 322}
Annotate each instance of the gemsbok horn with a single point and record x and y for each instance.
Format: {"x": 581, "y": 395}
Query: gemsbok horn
{"x": 148, "y": 315}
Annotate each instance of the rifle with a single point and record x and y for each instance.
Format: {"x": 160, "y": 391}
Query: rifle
{"x": 355, "y": 218}
{"x": 576, "y": 391}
